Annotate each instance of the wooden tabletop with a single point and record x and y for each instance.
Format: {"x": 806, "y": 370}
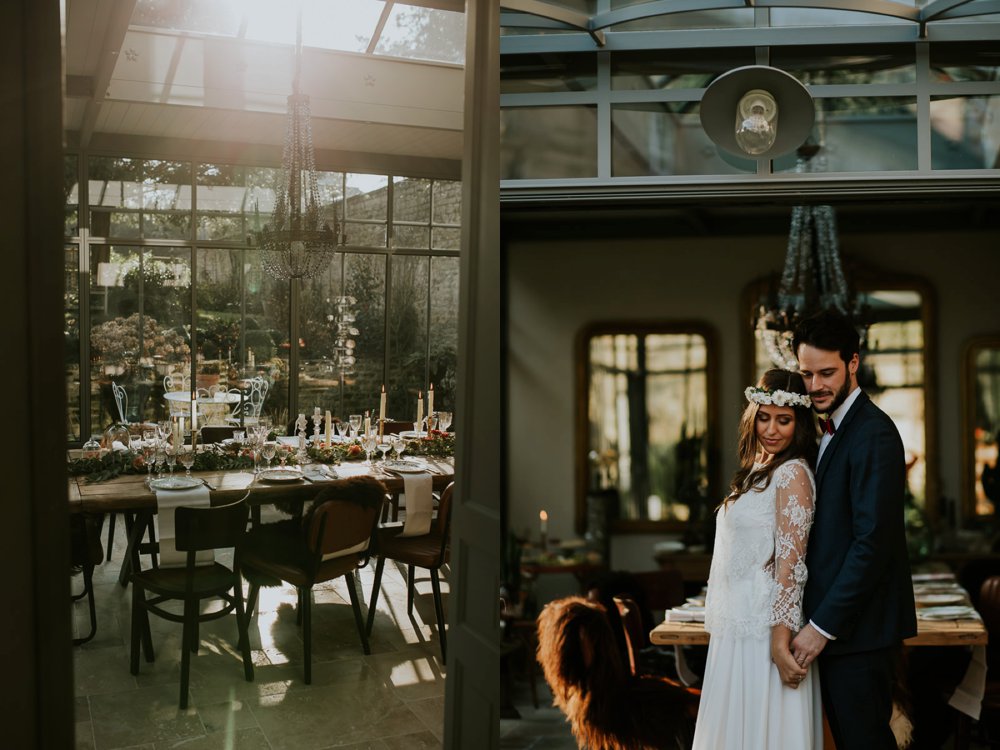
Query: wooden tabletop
{"x": 129, "y": 491}
{"x": 929, "y": 633}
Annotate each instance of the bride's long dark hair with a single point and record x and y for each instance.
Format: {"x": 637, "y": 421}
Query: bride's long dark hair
{"x": 803, "y": 443}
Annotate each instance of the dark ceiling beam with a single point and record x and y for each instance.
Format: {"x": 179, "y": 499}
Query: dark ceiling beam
{"x": 457, "y": 6}
{"x": 114, "y": 36}
{"x": 227, "y": 152}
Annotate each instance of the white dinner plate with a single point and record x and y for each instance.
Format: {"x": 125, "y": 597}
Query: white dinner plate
{"x": 288, "y": 440}
{"x": 280, "y": 475}
{"x": 412, "y": 434}
{"x": 175, "y": 483}
{"x": 937, "y": 600}
{"x": 932, "y": 577}
{"x": 947, "y": 613}
{"x": 405, "y": 467}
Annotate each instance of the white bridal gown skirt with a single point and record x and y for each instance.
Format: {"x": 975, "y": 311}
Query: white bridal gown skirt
{"x": 744, "y": 706}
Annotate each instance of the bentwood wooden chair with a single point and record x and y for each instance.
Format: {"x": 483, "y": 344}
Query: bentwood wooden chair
{"x": 197, "y": 529}
{"x": 330, "y": 540}
{"x": 429, "y": 551}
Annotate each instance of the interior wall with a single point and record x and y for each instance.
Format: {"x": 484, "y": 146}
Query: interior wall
{"x": 556, "y": 287}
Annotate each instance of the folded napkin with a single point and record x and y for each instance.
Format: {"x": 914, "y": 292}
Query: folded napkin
{"x": 419, "y": 504}
{"x": 166, "y": 502}
{"x": 968, "y": 696}
{"x": 680, "y": 614}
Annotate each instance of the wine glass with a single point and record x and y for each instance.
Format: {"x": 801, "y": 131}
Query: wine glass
{"x": 344, "y": 430}
{"x": 399, "y": 445}
{"x": 149, "y": 456}
{"x": 187, "y": 460}
{"x": 355, "y": 421}
{"x": 172, "y": 459}
{"x": 444, "y": 420}
{"x": 160, "y": 458}
{"x": 368, "y": 443}
{"x": 270, "y": 447}
{"x": 384, "y": 445}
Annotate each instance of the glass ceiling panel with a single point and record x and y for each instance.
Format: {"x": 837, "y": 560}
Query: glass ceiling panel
{"x": 344, "y": 25}
{"x": 423, "y": 34}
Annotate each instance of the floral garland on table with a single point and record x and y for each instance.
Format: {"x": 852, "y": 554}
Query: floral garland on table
{"x": 114, "y": 463}
{"x": 334, "y": 454}
{"x": 765, "y": 397}
{"x": 436, "y": 445}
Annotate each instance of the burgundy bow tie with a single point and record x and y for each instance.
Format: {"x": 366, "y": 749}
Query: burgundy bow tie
{"x": 827, "y": 426}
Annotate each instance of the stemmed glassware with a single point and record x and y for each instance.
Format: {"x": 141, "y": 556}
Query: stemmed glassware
{"x": 160, "y": 458}
{"x": 187, "y": 460}
{"x": 355, "y": 422}
{"x": 171, "y": 459}
{"x": 149, "y": 456}
{"x": 368, "y": 443}
{"x": 270, "y": 447}
{"x": 444, "y": 420}
{"x": 398, "y": 446}
{"x": 384, "y": 445}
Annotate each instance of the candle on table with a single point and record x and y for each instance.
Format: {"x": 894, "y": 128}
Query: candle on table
{"x": 420, "y": 409}
{"x": 543, "y": 525}
{"x": 430, "y": 404}
{"x": 194, "y": 413}
{"x": 381, "y": 410}
{"x": 329, "y": 427}
{"x": 368, "y": 423}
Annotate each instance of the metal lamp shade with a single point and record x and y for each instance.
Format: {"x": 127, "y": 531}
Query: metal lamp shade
{"x": 796, "y": 111}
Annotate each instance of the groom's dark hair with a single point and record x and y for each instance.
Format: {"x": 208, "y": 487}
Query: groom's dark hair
{"x": 830, "y": 331}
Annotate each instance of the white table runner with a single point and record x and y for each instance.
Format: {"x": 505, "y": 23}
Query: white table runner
{"x": 166, "y": 502}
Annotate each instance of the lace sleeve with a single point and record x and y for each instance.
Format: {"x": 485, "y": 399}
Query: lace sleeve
{"x": 793, "y": 519}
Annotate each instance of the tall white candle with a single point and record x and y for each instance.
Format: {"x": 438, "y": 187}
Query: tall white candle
{"x": 420, "y": 409}
{"x": 194, "y": 412}
{"x": 430, "y": 401}
{"x": 381, "y": 409}
{"x": 368, "y": 423}
{"x": 329, "y": 428}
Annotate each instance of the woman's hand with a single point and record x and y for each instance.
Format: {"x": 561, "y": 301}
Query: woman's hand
{"x": 788, "y": 669}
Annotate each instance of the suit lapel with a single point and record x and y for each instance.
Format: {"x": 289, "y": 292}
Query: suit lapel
{"x": 839, "y": 436}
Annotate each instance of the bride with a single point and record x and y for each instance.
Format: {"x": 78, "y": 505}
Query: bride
{"x": 755, "y": 696}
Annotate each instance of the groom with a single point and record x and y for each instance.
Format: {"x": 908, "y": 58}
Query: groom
{"x": 858, "y": 601}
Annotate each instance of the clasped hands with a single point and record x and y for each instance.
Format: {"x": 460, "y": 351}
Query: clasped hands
{"x": 792, "y": 656}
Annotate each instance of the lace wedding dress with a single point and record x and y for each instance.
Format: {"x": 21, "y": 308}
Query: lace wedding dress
{"x": 756, "y": 580}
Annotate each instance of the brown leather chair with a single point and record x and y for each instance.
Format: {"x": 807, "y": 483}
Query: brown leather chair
{"x": 332, "y": 539}
{"x": 216, "y": 433}
{"x": 196, "y": 529}
{"x": 395, "y": 426}
{"x": 429, "y": 551}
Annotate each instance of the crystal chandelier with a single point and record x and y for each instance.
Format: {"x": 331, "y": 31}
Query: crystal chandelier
{"x": 812, "y": 280}
{"x": 342, "y": 318}
{"x": 295, "y": 245}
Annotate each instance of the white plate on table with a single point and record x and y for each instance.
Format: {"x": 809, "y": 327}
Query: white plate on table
{"x": 175, "y": 483}
{"x": 932, "y": 577}
{"x": 948, "y": 613}
{"x": 938, "y": 600}
{"x": 280, "y": 475}
{"x": 406, "y": 467}
{"x": 412, "y": 434}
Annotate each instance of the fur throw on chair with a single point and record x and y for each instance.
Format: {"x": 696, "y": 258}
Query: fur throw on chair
{"x": 608, "y": 708}
{"x": 286, "y": 540}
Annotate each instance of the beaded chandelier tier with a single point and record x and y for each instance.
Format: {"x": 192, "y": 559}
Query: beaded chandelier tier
{"x": 296, "y": 245}
{"x": 812, "y": 280}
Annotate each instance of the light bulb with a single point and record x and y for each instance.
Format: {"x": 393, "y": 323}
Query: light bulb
{"x": 756, "y": 122}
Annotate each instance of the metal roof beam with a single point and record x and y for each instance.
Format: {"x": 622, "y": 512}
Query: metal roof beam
{"x": 114, "y": 35}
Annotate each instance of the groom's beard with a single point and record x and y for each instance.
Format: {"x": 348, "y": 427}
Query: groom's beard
{"x": 841, "y": 396}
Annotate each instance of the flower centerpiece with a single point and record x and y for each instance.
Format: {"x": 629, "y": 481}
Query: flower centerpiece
{"x": 436, "y": 444}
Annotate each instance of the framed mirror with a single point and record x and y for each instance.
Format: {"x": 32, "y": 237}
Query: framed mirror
{"x": 897, "y": 365}
{"x": 981, "y": 426}
{"x": 646, "y": 424}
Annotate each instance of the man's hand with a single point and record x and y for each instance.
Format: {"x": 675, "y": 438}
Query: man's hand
{"x": 807, "y": 645}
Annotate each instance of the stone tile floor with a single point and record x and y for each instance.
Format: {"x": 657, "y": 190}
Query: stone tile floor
{"x": 389, "y": 700}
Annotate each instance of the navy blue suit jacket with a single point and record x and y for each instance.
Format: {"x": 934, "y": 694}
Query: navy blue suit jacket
{"x": 859, "y": 588}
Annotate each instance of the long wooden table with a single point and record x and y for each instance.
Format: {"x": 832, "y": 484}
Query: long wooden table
{"x": 929, "y": 633}
{"x": 129, "y": 494}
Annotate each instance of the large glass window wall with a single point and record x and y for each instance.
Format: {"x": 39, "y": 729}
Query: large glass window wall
{"x": 164, "y": 293}
{"x": 621, "y": 105}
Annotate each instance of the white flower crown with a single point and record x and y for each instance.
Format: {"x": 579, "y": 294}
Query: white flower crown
{"x": 775, "y": 398}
